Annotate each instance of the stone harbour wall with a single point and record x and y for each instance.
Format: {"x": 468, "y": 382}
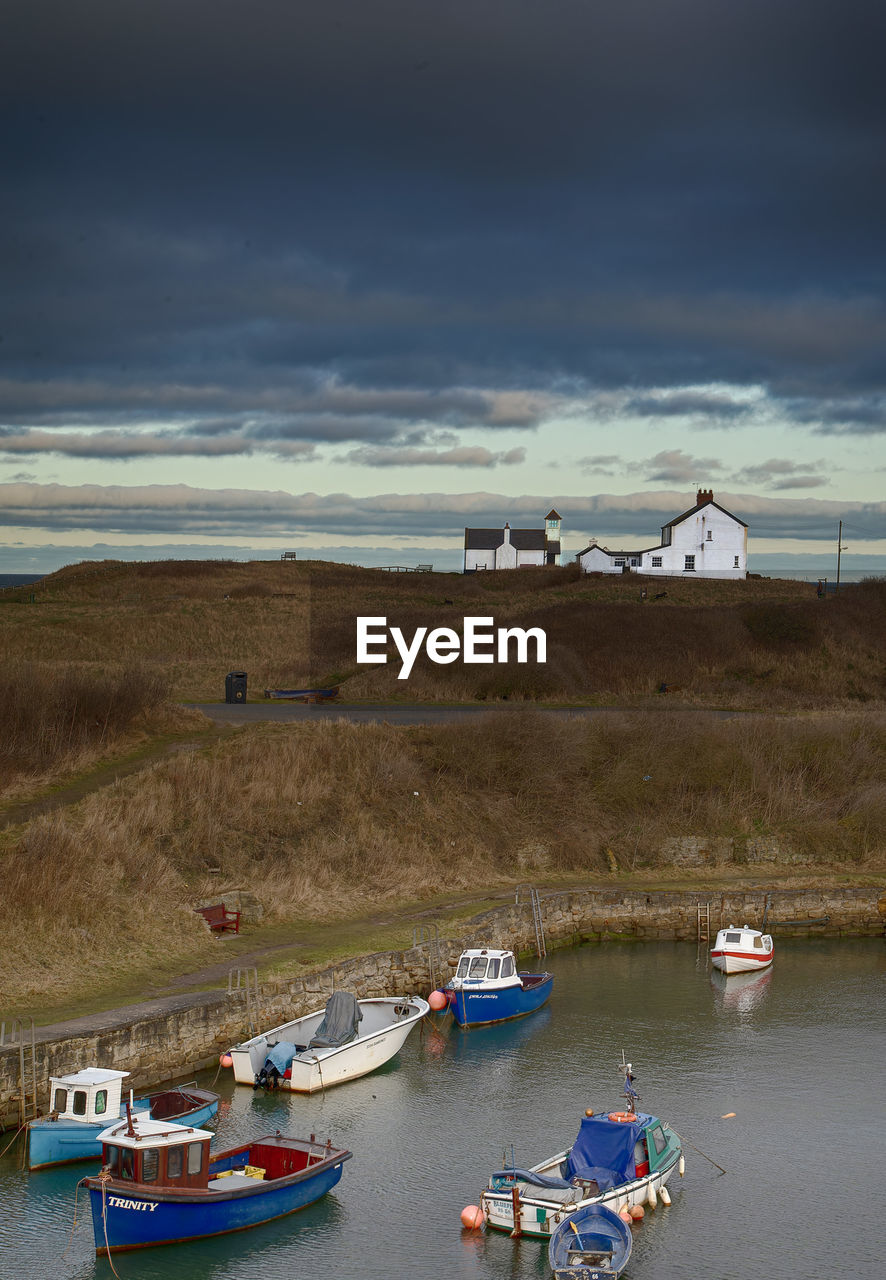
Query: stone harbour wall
{"x": 164, "y": 1041}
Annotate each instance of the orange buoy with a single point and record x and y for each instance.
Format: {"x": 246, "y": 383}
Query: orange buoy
{"x": 620, "y": 1117}
{"x": 437, "y": 1000}
{"x": 472, "y": 1217}
{"x": 637, "y": 1212}
{"x": 226, "y": 1060}
{"x": 625, "y": 1214}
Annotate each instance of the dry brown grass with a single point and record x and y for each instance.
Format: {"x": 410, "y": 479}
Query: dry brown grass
{"x": 323, "y": 821}
{"x": 757, "y": 643}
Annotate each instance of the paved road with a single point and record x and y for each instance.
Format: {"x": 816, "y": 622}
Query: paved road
{"x": 395, "y": 712}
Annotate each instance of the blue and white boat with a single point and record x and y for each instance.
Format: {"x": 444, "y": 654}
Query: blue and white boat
{"x": 487, "y": 988}
{"x": 84, "y": 1103}
{"x": 161, "y": 1186}
{"x": 620, "y": 1159}
{"x": 593, "y": 1243}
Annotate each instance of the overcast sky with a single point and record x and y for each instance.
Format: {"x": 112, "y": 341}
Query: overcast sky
{"x": 350, "y": 275}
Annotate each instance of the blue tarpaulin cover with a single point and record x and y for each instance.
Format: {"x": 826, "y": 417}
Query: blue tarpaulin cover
{"x": 281, "y": 1056}
{"x": 604, "y": 1149}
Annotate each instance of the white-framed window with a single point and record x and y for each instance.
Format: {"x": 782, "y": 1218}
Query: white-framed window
{"x": 634, "y": 561}
{"x": 735, "y": 563}
{"x": 619, "y": 562}
{"x": 710, "y": 535}
{"x": 656, "y": 562}
{"x": 689, "y": 564}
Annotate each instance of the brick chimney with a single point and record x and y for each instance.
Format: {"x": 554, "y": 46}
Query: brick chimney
{"x": 704, "y": 495}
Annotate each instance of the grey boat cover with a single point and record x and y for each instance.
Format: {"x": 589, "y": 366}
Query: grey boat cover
{"x": 341, "y": 1022}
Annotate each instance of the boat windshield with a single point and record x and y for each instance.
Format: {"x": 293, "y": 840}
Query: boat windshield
{"x": 478, "y": 967}
{"x": 462, "y": 971}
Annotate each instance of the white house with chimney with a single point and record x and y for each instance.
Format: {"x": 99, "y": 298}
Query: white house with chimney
{"x": 705, "y": 542}
{"x": 509, "y": 548}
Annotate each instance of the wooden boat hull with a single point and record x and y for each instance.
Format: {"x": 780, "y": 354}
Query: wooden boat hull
{"x": 591, "y": 1244}
{"x": 128, "y": 1217}
{"x": 317, "y": 1069}
{"x": 479, "y": 1006}
{"x": 52, "y": 1142}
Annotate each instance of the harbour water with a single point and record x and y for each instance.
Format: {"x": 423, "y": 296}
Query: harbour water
{"x": 777, "y": 1077}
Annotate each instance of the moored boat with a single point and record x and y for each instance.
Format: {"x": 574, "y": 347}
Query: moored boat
{"x": 488, "y": 988}
{"x": 347, "y": 1039}
{"x": 160, "y": 1185}
{"x": 619, "y": 1159}
{"x": 742, "y": 950}
{"x": 84, "y": 1103}
{"x": 593, "y": 1243}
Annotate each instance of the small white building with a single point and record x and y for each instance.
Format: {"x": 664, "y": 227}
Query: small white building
{"x": 509, "y": 548}
{"x": 706, "y": 542}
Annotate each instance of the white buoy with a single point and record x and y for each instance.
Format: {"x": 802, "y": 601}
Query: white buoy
{"x": 652, "y": 1199}
{"x": 681, "y": 1166}
{"x": 665, "y": 1195}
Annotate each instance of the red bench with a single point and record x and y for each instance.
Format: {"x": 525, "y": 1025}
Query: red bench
{"x": 219, "y": 918}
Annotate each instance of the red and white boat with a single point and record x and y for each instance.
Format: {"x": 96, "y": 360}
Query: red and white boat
{"x": 742, "y": 950}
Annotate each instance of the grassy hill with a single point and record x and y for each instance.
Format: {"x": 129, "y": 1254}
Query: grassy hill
{"x": 331, "y": 820}
{"x": 756, "y": 643}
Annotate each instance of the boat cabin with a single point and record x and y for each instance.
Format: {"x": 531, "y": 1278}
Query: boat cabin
{"x": 744, "y": 939}
{"x": 91, "y": 1095}
{"x": 486, "y": 965}
{"x": 156, "y": 1154}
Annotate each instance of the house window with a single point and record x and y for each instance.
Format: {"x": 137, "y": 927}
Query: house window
{"x": 634, "y": 561}
{"x": 710, "y": 535}
{"x": 552, "y": 524}
{"x": 656, "y": 562}
{"x": 619, "y": 563}
{"x": 689, "y": 565}
{"x": 735, "y": 563}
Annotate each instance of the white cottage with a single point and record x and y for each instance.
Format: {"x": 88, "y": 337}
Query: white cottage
{"x": 509, "y": 548}
{"x": 707, "y": 542}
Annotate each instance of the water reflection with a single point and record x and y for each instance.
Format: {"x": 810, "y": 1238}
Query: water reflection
{"x": 741, "y": 992}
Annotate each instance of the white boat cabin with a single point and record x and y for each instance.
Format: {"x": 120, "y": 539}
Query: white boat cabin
{"x": 91, "y": 1095}
{"x": 139, "y": 1149}
{"x": 492, "y": 968}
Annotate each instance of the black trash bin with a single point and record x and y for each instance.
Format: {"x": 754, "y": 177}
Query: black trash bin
{"x": 235, "y": 686}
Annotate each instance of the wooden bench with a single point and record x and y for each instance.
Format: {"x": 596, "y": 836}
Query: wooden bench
{"x": 219, "y": 918}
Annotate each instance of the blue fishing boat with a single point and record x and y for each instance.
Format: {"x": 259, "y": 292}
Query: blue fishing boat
{"x": 593, "y": 1243}
{"x": 85, "y": 1102}
{"x": 487, "y": 988}
{"x": 621, "y": 1159}
{"x": 161, "y": 1186}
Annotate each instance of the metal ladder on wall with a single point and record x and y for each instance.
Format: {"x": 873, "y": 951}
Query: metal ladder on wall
{"x": 703, "y": 921}
{"x": 537, "y": 922}
{"x": 428, "y": 935}
{"x": 245, "y": 982}
{"x": 24, "y": 1036}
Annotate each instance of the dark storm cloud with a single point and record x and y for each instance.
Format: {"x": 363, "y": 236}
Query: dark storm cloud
{"x": 227, "y": 212}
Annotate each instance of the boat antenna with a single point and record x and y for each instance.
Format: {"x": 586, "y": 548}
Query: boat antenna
{"x": 631, "y": 1095}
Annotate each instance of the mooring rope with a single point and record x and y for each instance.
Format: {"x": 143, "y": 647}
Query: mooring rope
{"x": 104, "y": 1178}
{"x": 23, "y": 1125}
